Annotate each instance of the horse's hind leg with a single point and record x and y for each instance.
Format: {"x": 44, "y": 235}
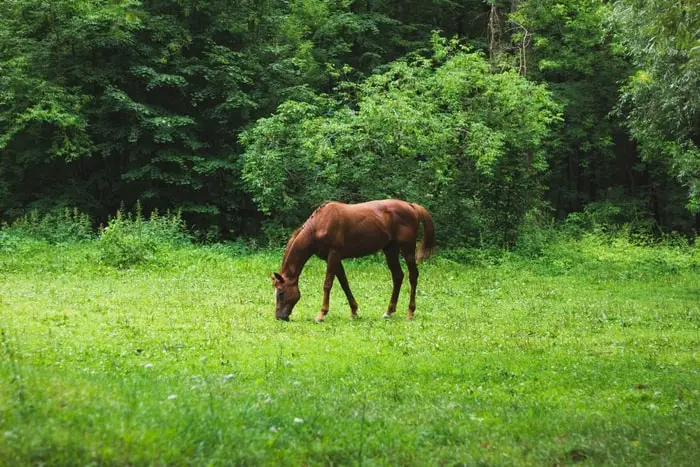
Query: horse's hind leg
{"x": 342, "y": 278}
{"x": 409, "y": 254}
{"x": 392, "y": 260}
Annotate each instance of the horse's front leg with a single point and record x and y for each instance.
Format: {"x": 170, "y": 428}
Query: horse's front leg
{"x": 342, "y": 278}
{"x": 332, "y": 261}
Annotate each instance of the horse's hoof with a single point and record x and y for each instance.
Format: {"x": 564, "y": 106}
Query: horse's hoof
{"x": 386, "y": 316}
{"x": 319, "y": 320}
{"x": 410, "y": 316}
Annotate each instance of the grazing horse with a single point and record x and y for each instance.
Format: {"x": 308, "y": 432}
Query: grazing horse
{"x": 336, "y": 231}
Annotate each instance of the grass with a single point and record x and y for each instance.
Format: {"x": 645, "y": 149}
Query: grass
{"x": 588, "y": 354}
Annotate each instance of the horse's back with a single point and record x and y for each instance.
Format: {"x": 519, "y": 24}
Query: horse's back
{"x": 364, "y": 228}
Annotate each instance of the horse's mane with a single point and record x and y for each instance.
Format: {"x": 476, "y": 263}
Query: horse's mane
{"x": 296, "y": 233}
{"x": 290, "y": 241}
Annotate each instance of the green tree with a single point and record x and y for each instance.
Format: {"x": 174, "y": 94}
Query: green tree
{"x": 111, "y": 101}
{"x": 447, "y": 133}
{"x": 568, "y": 44}
{"x": 661, "y": 101}
{"x": 107, "y": 102}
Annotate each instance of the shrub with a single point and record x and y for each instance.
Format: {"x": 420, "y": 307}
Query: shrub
{"x": 445, "y": 132}
{"x": 129, "y": 240}
{"x": 65, "y": 226}
{"x": 8, "y": 243}
{"x": 536, "y": 232}
{"x": 617, "y": 216}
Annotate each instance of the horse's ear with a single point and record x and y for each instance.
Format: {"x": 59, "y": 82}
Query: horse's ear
{"x": 277, "y": 278}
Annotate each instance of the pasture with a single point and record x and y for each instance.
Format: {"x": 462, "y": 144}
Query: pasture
{"x": 590, "y": 353}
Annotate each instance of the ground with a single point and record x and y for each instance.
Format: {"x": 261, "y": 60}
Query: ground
{"x": 590, "y": 353}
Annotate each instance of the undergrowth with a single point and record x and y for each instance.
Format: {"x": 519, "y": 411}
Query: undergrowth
{"x": 65, "y": 226}
{"x": 129, "y": 240}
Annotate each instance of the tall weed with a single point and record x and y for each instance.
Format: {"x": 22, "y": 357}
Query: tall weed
{"x": 129, "y": 239}
{"x": 537, "y": 231}
{"x": 65, "y": 226}
{"x": 628, "y": 216}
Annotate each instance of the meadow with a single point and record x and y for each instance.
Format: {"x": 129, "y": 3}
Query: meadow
{"x": 589, "y": 353}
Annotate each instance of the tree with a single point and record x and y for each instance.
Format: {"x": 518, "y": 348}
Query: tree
{"x": 661, "y": 101}
{"x": 445, "y": 132}
{"x": 107, "y": 102}
{"x": 572, "y": 50}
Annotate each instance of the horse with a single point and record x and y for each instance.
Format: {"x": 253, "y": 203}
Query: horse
{"x": 336, "y": 231}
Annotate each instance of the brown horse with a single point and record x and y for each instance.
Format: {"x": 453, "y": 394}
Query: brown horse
{"x": 336, "y": 231}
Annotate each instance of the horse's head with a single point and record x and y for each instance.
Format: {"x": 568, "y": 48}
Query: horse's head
{"x": 286, "y": 296}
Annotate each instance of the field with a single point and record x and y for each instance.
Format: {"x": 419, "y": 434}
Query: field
{"x": 588, "y": 354}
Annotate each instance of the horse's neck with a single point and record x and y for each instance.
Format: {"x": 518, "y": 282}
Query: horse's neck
{"x": 299, "y": 253}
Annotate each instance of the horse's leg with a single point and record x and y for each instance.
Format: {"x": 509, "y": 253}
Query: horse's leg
{"x": 409, "y": 254}
{"x": 342, "y": 278}
{"x": 332, "y": 262}
{"x": 392, "y": 260}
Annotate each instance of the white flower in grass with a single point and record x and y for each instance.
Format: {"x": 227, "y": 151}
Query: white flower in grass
{"x": 172, "y": 397}
{"x": 298, "y": 420}
{"x": 228, "y": 377}
{"x": 274, "y": 429}
{"x": 148, "y": 365}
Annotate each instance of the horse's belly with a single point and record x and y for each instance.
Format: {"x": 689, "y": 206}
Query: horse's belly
{"x": 364, "y": 244}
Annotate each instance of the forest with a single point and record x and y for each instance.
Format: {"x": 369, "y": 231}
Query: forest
{"x": 499, "y": 116}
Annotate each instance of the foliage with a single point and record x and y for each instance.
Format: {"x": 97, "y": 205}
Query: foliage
{"x": 573, "y": 51}
{"x": 660, "y": 99}
{"x": 130, "y": 240}
{"x": 586, "y": 354}
{"x": 536, "y": 233}
{"x": 111, "y": 101}
{"x": 448, "y": 134}
{"x": 8, "y": 243}
{"x": 57, "y": 227}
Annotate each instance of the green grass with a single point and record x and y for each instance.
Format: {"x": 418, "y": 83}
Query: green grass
{"x": 589, "y": 354}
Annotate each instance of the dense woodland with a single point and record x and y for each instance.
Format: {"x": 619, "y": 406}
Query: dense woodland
{"x": 247, "y": 114}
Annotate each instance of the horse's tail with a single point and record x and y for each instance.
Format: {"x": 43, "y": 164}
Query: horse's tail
{"x": 428, "y": 245}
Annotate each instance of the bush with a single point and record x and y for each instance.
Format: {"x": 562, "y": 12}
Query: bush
{"x": 275, "y": 234}
{"x": 54, "y": 227}
{"x": 612, "y": 217}
{"x": 8, "y": 243}
{"x": 445, "y": 132}
{"x": 536, "y": 233}
{"x": 130, "y": 240}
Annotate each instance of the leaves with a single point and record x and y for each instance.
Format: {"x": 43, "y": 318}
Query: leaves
{"x": 104, "y": 102}
{"x": 660, "y": 100}
{"x": 441, "y": 136}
